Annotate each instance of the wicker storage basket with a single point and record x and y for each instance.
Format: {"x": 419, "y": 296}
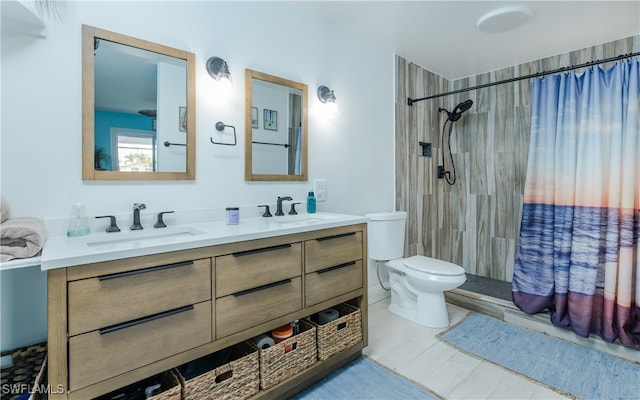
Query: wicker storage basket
{"x": 237, "y": 379}
{"x": 171, "y": 387}
{"x": 289, "y": 357}
{"x": 336, "y": 336}
{"x": 40, "y": 382}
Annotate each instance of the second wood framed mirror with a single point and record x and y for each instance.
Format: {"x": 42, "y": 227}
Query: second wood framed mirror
{"x": 276, "y": 128}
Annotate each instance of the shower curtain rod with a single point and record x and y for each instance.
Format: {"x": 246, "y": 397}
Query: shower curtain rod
{"x": 410, "y": 101}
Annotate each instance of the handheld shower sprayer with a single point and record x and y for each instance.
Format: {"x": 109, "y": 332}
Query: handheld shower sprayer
{"x": 457, "y": 111}
{"x": 452, "y": 117}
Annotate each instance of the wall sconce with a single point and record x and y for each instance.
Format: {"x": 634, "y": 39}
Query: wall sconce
{"x": 326, "y": 96}
{"x": 219, "y": 69}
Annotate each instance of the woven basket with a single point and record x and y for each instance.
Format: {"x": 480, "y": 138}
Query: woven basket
{"x": 237, "y": 379}
{"x": 40, "y": 381}
{"x": 171, "y": 386}
{"x": 277, "y": 364}
{"x": 338, "y": 335}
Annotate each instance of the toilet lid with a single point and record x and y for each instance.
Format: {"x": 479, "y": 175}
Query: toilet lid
{"x": 432, "y": 266}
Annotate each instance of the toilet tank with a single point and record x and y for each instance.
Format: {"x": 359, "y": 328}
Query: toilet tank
{"x": 385, "y": 232}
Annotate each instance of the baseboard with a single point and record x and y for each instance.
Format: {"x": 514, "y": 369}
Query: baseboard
{"x": 376, "y": 294}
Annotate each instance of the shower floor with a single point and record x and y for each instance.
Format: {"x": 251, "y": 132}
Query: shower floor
{"x": 488, "y": 287}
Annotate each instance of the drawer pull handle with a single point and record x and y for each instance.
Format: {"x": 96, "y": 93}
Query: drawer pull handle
{"x": 256, "y": 251}
{"x": 322, "y": 239}
{"x": 322, "y": 271}
{"x": 143, "y": 271}
{"x": 259, "y": 288}
{"x": 139, "y": 321}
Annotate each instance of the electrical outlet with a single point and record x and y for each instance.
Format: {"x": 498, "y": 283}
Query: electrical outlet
{"x": 320, "y": 189}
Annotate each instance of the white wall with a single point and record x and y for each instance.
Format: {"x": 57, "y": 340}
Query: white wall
{"x": 42, "y": 99}
{"x": 41, "y": 108}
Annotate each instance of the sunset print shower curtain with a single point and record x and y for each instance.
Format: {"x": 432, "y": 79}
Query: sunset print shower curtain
{"x": 577, "y": 254}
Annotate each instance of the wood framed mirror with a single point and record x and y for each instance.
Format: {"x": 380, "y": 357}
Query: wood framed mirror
{"x": 138, "y": 109}
{"x": 276, "y": 128}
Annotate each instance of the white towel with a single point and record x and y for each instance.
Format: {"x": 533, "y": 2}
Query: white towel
{"x": 4, "y": 210}
{"x": 21, "y": 238}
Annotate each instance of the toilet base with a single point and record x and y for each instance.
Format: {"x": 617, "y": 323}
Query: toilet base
{"x": 432, "y": 310}
{"x": 426, "y": 308}
{"x": 402, "y": 312}
{"x": 419, "y": 296}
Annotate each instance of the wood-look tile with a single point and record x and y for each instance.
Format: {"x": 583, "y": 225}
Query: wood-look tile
{"x": 478, "y": 219}
{"x": 478, "y": 166}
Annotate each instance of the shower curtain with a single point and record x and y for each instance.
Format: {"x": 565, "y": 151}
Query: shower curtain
{"x": 578, "y": 250}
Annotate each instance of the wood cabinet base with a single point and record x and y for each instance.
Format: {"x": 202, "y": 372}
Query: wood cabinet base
{"x": 145, "y": 315}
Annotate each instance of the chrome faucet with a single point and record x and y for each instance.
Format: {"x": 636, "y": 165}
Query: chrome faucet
{"x": 279, "y": 204}
{"x": 136, "y": 216}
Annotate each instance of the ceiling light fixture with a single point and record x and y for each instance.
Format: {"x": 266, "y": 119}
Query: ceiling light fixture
{"x": 503, "y": 19}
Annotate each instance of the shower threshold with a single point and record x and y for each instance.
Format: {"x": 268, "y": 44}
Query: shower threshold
{"x": 484, "y": 295}
{"x": 488, "y": 287}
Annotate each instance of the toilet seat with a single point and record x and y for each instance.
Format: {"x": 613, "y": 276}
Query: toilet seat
{"x": 432, "y": 266}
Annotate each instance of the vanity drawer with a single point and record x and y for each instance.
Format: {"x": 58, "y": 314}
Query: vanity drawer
{"x": 102, "y": 354}
{"x": 332, "y": 250}
{"x": 243, "y": 310}
{"x": 257, "y": 267}
{"x": 111, "y": 299}
{"x": 333, "y": 281}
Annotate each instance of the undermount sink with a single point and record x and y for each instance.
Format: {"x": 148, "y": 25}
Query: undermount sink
{"x": 138, "y": 238}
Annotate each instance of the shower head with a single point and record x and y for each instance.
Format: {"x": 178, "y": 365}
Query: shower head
{"x": 458, "y": 110}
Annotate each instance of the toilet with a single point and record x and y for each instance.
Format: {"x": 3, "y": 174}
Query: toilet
{"x": 417, "y": 283}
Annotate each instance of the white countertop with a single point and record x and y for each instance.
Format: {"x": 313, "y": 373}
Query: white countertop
{"x": 63, "y": 251}
{"x": 18, "y": 263}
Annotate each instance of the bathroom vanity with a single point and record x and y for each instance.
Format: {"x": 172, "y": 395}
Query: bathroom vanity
{"x": 120, "y": 310}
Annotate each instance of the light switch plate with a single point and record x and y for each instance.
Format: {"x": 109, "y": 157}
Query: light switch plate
{"x": 320, "y": 189}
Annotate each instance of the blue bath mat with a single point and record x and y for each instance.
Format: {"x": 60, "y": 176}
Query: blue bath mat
{"x": 569, "y": 368}
{"x": 363, "y": 379}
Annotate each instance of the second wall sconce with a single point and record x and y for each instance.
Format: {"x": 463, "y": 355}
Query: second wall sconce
{"x": 326, "y": 96}
{"x": 218, "y": 69}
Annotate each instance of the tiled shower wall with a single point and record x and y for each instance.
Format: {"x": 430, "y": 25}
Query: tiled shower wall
{"x": 476, "y": 222}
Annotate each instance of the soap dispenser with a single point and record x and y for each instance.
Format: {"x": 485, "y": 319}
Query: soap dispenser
{"x": 311, "y": 202}
{"x": 78, "y": 221}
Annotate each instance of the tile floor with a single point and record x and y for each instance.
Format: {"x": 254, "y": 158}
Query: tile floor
{"x": 415, "y": 352}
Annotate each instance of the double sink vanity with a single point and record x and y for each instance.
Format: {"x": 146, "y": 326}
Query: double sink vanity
{"x": 128, "y": 305}
{"x": 124, "y": 306}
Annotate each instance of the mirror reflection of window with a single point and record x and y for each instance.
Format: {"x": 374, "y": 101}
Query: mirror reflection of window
{"x": 134, "y": 150}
